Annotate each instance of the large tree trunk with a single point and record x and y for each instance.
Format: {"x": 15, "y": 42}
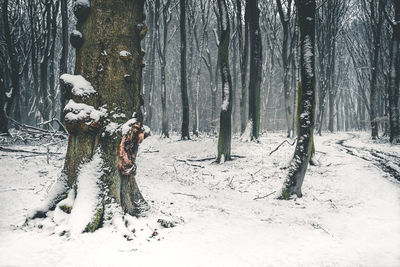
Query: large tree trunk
{"x": 164, "y": 117}
{"x": 52, "y": 80}
{"x": 103, "y": 115}
{"x": 163, "y": 63}
{"x": 374, "y": 67}
{"x": 200, "y": 48}
{"x": 306, "y": 95}
{"x": 255, "y": 68}
{"x": 244, "y": 51}
{"x": 12, "y": 55}
{"x": 225, "y": 130}
{"x": 3, "y": 117}
{"x": 394, "y": 80}
{"x": 149, "y": 83}
{"x": 213, "y": 89}
{"x": 185, "y": 99}
{"x": 332, "y": 87}
{"x": 244, "y": 54}
{"x": 235, "y": 104}
{"x": 45, "y": 102}
{"x": 34, "y": 59}
{"x": 64, "y": 55}
{"x": 285, "y": 20}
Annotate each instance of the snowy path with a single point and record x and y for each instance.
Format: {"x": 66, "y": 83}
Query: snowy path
{"x": 349, "y": 215}
{"x": 388, "y": 162}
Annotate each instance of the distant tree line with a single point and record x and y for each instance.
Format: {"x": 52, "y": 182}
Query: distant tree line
{"x": 357, "y": 65}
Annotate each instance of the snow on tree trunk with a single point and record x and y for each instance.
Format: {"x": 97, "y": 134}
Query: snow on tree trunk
{"x": 103, "y": 116}
{"x": 304, "y": 145}
{"x": 225, "y": 131}
{"x": 13, "y": 90}
{"x": 255, "y": 68}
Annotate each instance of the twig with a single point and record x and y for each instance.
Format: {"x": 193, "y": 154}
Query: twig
{"x": 204, "y": 159}
{"x": 27, "y": 126}
{"x": 176, "y": 172}
{"x": 238, "y": 156}
{"x": 286, "y": 141}
{"x": 264, "y": 196}
{"x": 184, "y": 194}
{"x": 16, "y": 189}
{"x": 48, "y": 154}
{"x": 318, "y": 226}
{"x": 30, "y": 156}
{"x": 55, "y": 120}
{"x": 41, "y": 131}
{"x": 151, "y": 151}
{"x": 230, "y": 183}
{"x": 190, "y": 164}
{"x": 27, "y": 151}
{"x": 256, "y": 172}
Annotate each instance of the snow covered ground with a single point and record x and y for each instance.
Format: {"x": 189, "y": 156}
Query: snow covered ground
{"x": 225, "y": 215}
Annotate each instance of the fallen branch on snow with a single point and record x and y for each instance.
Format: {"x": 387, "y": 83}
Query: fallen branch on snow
{"x": 150, "y": 151}
{"x": 190, "y": 164}
{"x": 37, "y": 130}
{"x": 286, "y": 141}
{"x": 264, "y": 196}
{"x": 203, "y": 159}
{"x": 184, "y": 194}
{"x": 214, "y": 158}
{"x": 27, "y": 151}
{"x": 238, "y": 156}
{"x": 318, "y": 226}
{"x": 54, "y": 120}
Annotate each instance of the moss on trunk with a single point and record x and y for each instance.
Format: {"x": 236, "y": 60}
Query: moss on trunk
{"x": 110, "y": 58}
{"x": 306, "y": 101}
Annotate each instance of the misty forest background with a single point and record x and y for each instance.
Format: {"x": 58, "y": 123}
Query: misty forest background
{"x": 356, "y": 50}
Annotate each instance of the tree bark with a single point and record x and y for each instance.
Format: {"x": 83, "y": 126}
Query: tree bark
{"x": 12, "y": 55}
{"x": 285, "y": 20}
{"x": 163, "y": 62}
{"x": 244, "y": 55}
{"x": 149, "y": 82}
{"x": 255, "y": 68}
{"x": 304, "y": 146}
{"x": 394, "y": 77}
{"x": 225, "y": 131}
{"x": 52, "y": 82}
{"x": 111, "y": 60}
{"x": 3, "y": 115}
{"x": 34, "y": 57}
{"x": 64, "y": 54}
{"x": 45, "y": 107}
{"x": 185, "y": 99}
{"x": 374, "y": 67}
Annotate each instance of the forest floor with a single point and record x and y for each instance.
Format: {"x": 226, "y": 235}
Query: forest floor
{"x": 225, "y": 214}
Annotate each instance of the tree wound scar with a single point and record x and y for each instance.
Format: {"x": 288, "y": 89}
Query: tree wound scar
{"x": 128, "y": 147}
